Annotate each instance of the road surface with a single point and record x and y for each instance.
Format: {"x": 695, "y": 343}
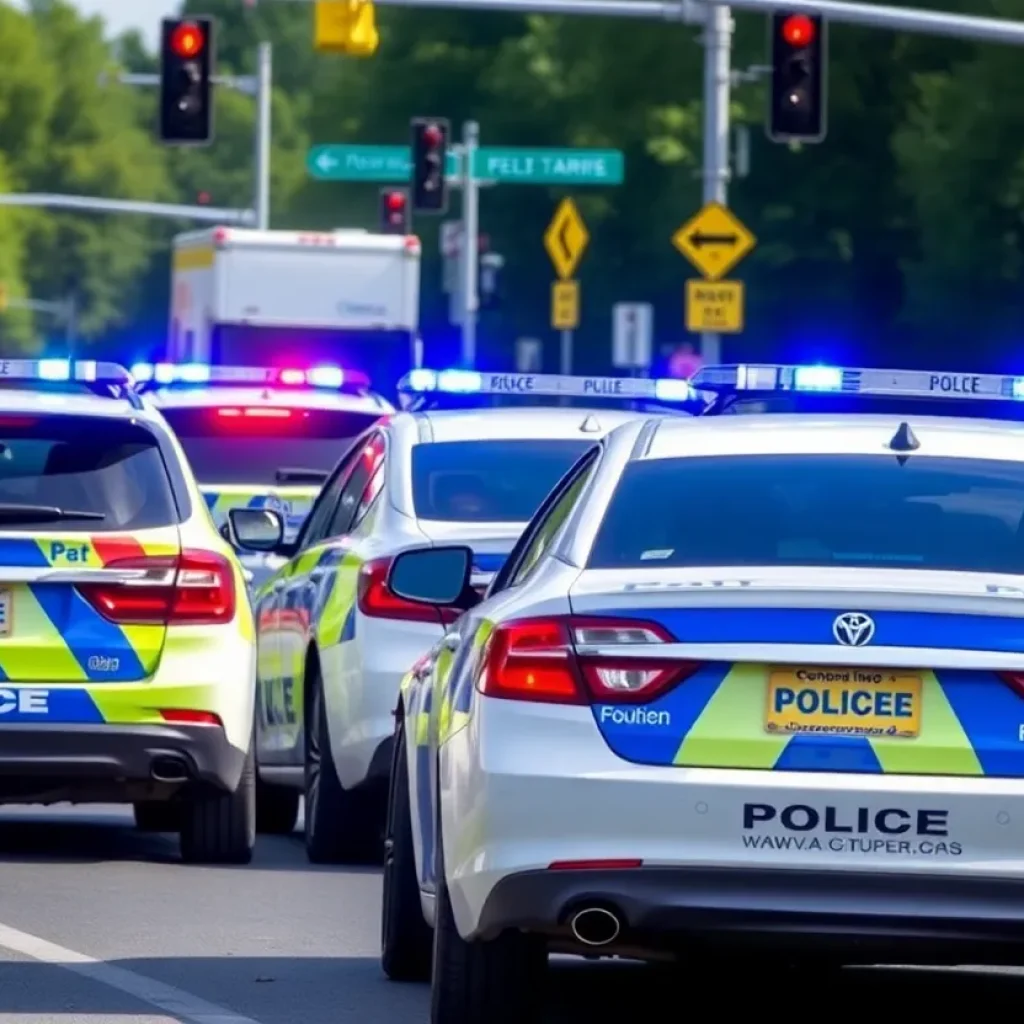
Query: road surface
{"x": 101, "y": 925}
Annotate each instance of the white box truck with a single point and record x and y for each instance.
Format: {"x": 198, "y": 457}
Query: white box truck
{"x": 297, "y": 298}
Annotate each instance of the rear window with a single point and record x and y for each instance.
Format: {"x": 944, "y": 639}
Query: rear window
{"x": 843, "y": 510}
{"x": 112, "y": 472}
{"x": 232, "y": 445}
{"x": 488, "y": 481}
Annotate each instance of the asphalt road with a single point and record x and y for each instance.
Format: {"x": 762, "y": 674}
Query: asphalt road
{"x": 101, "y": 925}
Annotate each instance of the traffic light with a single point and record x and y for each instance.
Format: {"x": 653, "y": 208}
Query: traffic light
{"x": 186, "y": 70}
{"x": 394, "y": 211}
{"x": 429, "y": 158}
{"x": 799, "y": 56}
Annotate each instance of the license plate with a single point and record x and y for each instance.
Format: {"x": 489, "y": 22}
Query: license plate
{"x": 844, "y": 702}
{"x": 6, "y": 612}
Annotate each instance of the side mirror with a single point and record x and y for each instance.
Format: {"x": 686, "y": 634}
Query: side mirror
{"x": 433, "y": 576}
{"x": 255, "y": 529}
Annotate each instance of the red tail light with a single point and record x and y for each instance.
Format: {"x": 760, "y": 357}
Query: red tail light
{"x": 1014, "y": 680}
{"x": 552, "y": 661}
{"x": 256, "y": 412}
{"x": 375, "y": 600}
{"x": 196, "y": 588}
{"x": 184, "y": 716}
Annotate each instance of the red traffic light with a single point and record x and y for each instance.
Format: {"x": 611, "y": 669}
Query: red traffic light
{"x": 432, "y": 135}
{"x": 395, "y": 201}
{"x": 798, "y": 30}
{"x": 187, "y": 39}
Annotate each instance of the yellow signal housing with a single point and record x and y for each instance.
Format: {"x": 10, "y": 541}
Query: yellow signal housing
{"x": 4, "y": 301}
{"x": 346, "y": 26}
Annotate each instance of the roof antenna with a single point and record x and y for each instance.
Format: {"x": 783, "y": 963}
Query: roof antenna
{"x": 904, "y": 440}
{"x": 590, "y": 425}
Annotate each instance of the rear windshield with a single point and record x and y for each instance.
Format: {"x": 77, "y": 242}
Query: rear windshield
{"x": 231, "y": 445}
{"x": 112, "y": 472}
{"x": 844, "y": 510}
{"x": 488, "y": 481}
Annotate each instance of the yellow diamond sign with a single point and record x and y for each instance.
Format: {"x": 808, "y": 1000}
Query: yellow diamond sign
{"x": 714, "y": 241}
{"x": 566, "y": 238}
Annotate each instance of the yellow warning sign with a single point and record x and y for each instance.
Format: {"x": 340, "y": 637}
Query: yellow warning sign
{"x": 714, "y": 241}
{"x": 565, "y": 305}
{"x": 566, "y": 239}
{"x": 714, "y": 306}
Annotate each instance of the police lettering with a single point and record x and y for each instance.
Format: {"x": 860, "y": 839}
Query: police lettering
{"x": 24, "y": 702}
{"x": 602, "y": 386}
{"x": 862, "y": 703}
{"x": 955, "y": 383}
{"x": 5, "y": 368}
{"x": 76, "y": 553}
{"x": 507, "y": 382}
{"x": 889, "y": 821}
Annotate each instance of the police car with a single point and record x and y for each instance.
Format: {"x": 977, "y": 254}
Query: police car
{"x": 334, "y": 641}
{"x": 258, "y": 437}
{"x": 127, "y": 648}
{"x": 741, "y": 680}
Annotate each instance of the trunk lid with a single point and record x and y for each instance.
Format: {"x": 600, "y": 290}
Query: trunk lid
{"x": 835, "y": 670}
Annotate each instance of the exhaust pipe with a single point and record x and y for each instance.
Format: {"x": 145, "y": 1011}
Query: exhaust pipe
{"x": 594, "y": 926}
{"x": 169, "y": 769}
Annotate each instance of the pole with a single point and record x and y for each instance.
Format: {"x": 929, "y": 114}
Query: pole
{"x": 717, "y": 71}
{"x": 70, "y": 324}
{"x": 470, "y": 234}
{"x": 99, "y": 204}
{"x": 261, "y": 165}
{"x": 566, "y": 355}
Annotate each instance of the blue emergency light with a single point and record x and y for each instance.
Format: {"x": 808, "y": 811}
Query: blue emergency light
{"x": 88, "y": 371}
{"x": 172, "y": 375}
{"x": 768, "y": 378}
{"x": 475, "y": 382}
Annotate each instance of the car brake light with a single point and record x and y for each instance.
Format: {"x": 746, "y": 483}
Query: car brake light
{"x": 375, "y": 600}
{"x": 554, "y": 661}
{"x": 1014, "y": 680}
{"x": 255, "y": 412}
{"x": 185, "y": 716}
{"x": 196, "y": 588}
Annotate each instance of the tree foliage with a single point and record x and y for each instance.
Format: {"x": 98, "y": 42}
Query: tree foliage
{"x": 898, "y": 240}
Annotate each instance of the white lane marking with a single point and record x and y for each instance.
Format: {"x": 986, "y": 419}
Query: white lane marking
{"x": 181, "y": 1005}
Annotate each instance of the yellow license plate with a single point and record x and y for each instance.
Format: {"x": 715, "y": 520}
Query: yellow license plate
{"x": 6, "y": 612}
{"x": 844, "y": 702}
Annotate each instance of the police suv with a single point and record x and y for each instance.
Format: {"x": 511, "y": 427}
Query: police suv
{"x": 127, "y": 649}
{"x": 754, "y": 679}
{"x": 334, "y": 640}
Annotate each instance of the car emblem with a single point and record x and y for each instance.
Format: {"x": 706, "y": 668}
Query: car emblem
{"x": 853, "y": 629}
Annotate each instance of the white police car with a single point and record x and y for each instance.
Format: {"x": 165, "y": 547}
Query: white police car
{"x": 741, "y": 680}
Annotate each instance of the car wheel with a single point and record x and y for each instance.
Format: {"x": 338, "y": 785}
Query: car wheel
{"x": 405, "y": 942}
{"x": 495, "y": 982}
{"x": 277, "y": 809}
{"x": 220, "y": 828}
{"x": 158, "y": 816}
{"x": 340, "y": 826}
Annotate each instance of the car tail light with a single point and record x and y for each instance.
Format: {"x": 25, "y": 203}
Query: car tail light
{"x": 554, "y": 661}
{"x": 196, "y": 588}
{"x": 1014, "y": 680}
{"x": 186, "y": 716}
{"x": 374, "y": 599}
{"x": 256, "y": 412}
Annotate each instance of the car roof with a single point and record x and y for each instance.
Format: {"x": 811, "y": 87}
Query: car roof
{"x": 526, "y": 423}
{"x": 313, "y": 398}
{"x": 854, "y": 434}
{"x": 74, "y": 403}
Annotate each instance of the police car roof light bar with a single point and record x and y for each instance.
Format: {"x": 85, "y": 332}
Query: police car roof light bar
{"x": 331, "y": 378}
{"x": 747, "y": 377}
{"x": 83, "y": 371}
{"x": 474, "y": 382}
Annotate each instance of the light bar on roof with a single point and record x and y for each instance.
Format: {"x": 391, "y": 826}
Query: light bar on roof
{"x": 474, "y": 382}
{"x": 846, "y": 381}
{"x": 85, "y": 370}
{"x": 173, "y": 374}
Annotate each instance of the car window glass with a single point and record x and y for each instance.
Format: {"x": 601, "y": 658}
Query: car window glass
{"x": 366, "y": 463}
{"x": 315, "y": 528}
{"x": 370, "y": 494}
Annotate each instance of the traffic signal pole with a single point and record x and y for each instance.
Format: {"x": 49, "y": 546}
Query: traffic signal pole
{"x": 263, "y": 90}
{"x": 470, "y": 243}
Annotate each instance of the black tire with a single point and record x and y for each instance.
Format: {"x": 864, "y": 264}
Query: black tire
{"x": 158, "y": 816}
{"x": 496, "y": 982}
{"x": 277, "y": 809}
{"x": 220, "y": 828}
{"x": 340, "y": 825}
{"x": 405, "y": 939}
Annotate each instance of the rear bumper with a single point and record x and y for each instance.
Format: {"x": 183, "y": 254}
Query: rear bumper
{"x": 54, "y": 763}
{"x": 862, "y": 916}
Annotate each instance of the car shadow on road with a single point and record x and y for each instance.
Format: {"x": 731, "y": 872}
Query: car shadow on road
{"x": 289, "y": 990}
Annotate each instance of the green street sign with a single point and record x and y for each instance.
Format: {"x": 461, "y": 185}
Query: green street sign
{"x": 513, "y": 166}
{"x": 343, "y": 162}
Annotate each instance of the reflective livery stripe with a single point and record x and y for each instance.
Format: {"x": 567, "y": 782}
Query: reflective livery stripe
{"x": 74, "y": 551}
{"x": 293, "y": 503}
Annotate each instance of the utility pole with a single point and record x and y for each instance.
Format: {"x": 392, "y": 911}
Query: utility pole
{"x": 470, "y": 243}
{"x": 261, "y": 168}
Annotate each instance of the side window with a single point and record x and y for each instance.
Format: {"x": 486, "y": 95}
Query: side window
{"x": 548, "y": 529}
{"x": 367, "y": 461}
{"x": 370, "y": 494}
{"x": 316, "y": 525}
{"x": 510, "y": 570}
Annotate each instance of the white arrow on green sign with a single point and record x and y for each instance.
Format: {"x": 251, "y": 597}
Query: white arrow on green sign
{"x": 508, "y": 165}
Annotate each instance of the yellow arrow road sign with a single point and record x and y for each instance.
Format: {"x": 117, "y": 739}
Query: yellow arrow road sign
{"x": 566, "y": 239}
{"x": 714, "y": 241}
